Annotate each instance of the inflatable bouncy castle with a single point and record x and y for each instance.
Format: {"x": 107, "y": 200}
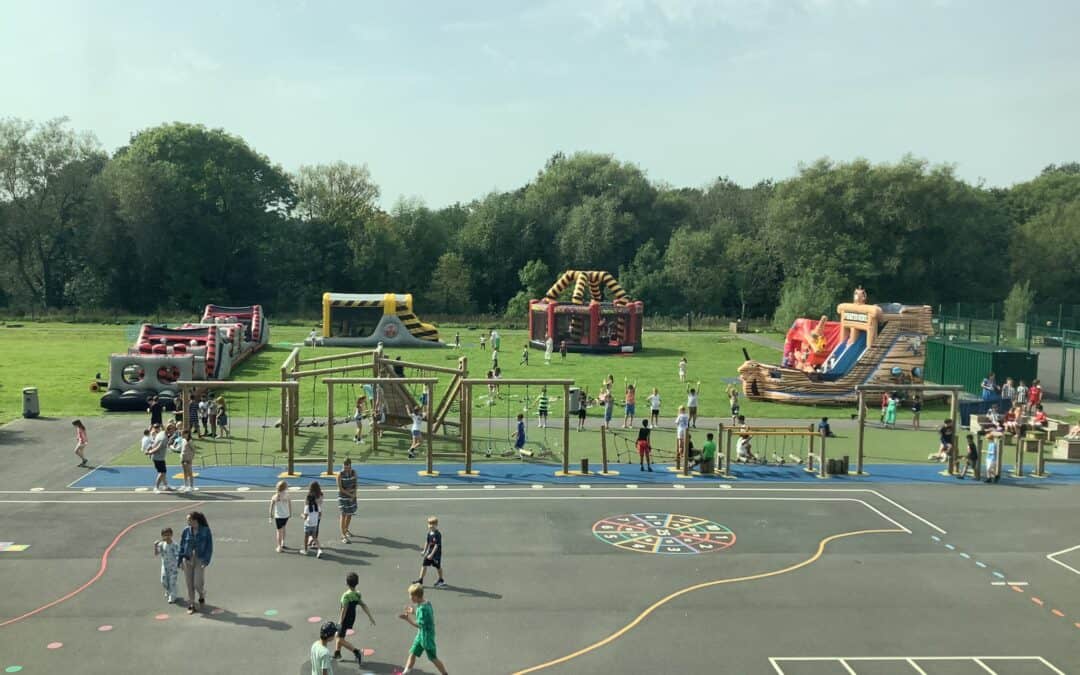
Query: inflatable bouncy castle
{"x": 591, "y": 326}
{"x": 162, "y": 355}
{"x": 370, "y": 319}
{"x": 825, "y": 360}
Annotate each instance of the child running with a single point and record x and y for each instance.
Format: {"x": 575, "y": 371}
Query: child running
{"x": 187, "y": 460}
{"x": 424, "y": 622}
{"x": 312, "y": 516}
{"x": 80, "y": 441}
{"x": 169, "y": 552}
{"x": 432, "y": 553}
{"x": 733, "y": 402}
{"x": 280, "y": 512}
{"x": 350, "y": 599}
{"x": 644, "y": 448}
{"x": 654, "y": 407}
{"x": 358, "y": 417}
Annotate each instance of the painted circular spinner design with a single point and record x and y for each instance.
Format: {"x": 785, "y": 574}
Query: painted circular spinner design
{"x": 664, "y": 533}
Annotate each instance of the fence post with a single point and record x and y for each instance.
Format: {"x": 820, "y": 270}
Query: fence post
{"x": 466, "y": 428}
{"x": 429, "y": 413}
{"x": 970, "y": 327}
{"x": 1064, "y": 362}
{"x": 822, "y": 468}
{"x": 686, "y": 454}
{"x": 603, "y": 450}
{"x": 862, "y": 433}
{"x": 329, "y": 429}
{"x": 997, "y": 333}
{"x": 978, "y": 462}
{"x": 727, "y": 456}
{"x": 566, "y": 430}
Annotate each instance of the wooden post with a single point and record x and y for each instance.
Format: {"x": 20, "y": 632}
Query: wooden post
{"x": 862, "y": 434}
{"x": 1018, "y": 468}
{"x": 375, "y": 417}
{"x": 287, "y": 439}
{"x": 284, "y": 412}
{"x": 686, "y": 454}
{"x": 1040, "y": 459}
{"x": 603, "y": 450}
{"x": 999, "y": 460}
{"x": 466, "y": 425}
{"x": 978, "y": 464}
{"x": 719, "y": 434}
{"x": 954, "y": 413}
{"x": 822, "y": 473}
{"x": 329, "y": 430}
{"x": 566, "y": 430}
{"x": 727, "y": 455}
{"x": 429, "y": 413}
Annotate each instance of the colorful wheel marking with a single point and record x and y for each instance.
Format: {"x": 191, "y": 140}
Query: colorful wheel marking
{"x": 664, "y": 533}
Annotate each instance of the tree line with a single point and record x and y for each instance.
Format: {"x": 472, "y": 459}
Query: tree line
{"x": 183, "y": 215}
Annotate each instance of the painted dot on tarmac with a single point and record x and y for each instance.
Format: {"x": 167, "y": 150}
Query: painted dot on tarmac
{"x": 54, "y": 645}
{"x": 104, "y": 629}
{"x": 37, "y": 489}
{"x": 161, "y": 617}
{"x": 367, "y": 651}
{"x": 349, "y": 631}
{"x": 270, "y": 612}
{"x": 89, "y": 489}
{"x": 314, "y": 619}
{"x": 13, "y": 669}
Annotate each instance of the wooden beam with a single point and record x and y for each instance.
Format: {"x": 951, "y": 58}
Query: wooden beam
{"x": 334, "y": 357}
{"x": 300, "y": 374}
{"x": 236, "y": 384}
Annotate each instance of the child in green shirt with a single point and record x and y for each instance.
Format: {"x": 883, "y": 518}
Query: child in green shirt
{"x": 425, "y": 630}
{"x": 350, "y": 599}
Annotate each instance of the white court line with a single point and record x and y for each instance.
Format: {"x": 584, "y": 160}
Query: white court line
{"x": 908, "y": 511}
{"x": 914, "y": 665}
{"x": 776, "y": 666}
{"x": 1051, "y": 666}
{"x": 1053, "y": 558}
{"x": 72, "y": 483}
{"x": 851, "y": 671}
{"x": 985, "y": 667}
{"x": 775, "y": 660}
{"x": 1008, "y": 583}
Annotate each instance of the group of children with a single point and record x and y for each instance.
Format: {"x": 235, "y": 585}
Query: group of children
{"x": 157, "y": 442}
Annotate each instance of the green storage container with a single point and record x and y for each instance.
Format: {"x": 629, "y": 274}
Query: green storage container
{"x": 967, "y": 363}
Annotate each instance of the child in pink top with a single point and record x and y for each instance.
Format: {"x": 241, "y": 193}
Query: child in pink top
{"x": 80, "y": 441}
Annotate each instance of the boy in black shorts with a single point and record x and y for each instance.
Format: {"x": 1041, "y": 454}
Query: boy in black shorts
{"x": 644, "y": 447}
{"x": 350, "y": 599}
{"x": 432, "y": 553}
{"x": 582, "y": 411}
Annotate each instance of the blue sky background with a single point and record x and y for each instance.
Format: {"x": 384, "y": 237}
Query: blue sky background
{"x": 447, "y": 101}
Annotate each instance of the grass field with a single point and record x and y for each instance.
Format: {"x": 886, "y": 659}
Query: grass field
{"x": 62, "y": 359}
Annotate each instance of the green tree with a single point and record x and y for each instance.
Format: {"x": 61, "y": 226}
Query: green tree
{"x": 755, "y": 274}
{"x": 196, "y": 211}
{"x": 46, "y": 177}
{"x": 449, "y": 292}
{"x": 692, "y": 264}
{"x": 337, "y": 193}
{"x": 1046, "y": 250}
{"x": 1018, "y": 303}
{"x": 535, "y": 280}
{"x": 807, "y": 296}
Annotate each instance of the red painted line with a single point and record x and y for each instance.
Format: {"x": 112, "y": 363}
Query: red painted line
{"x": 102, "y": 568}
{"x": 1037, "y": 601}
{"x": 1058, "y": 613}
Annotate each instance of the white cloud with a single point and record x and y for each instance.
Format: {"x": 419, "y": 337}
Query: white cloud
{"x": 649, "y": 46}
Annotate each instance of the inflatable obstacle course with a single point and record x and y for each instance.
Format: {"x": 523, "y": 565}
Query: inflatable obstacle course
{"x": 367, "y": 319}
{"x": 162, "y": 355}
{"x": 824, "y": 361}
{"x": 595, "y": 325}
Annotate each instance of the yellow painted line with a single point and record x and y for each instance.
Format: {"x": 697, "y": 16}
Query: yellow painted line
{"x": 697, "y": 587}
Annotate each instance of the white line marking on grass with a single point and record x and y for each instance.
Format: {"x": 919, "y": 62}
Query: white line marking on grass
{"x": 1053, "y": 558}
{"x": 914, "y": 665}
{"x": 985, "y": 667}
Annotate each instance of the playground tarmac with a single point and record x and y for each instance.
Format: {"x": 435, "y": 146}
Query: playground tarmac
{"x": 742, "y": 577}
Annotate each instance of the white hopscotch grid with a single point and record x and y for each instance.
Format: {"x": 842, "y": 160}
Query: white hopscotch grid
{"x": 849, "y": 664}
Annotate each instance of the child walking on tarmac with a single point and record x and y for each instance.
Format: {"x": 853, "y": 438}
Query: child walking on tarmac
{"x": 432, "y": 553}
{"x": 971, "y": 459}
{"x": 420, "y": 616}
{"x": 80, "y": 441}
{"x": 350, "y": 600}
{"x": 169, "y": 552}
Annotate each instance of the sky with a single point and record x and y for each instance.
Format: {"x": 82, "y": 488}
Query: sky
{"x": 447, "y": 101}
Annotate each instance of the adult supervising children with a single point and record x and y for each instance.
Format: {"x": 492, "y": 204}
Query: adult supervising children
{"x": 196, "y": 549}
{"x": 421, "y": 616}
{"x": 346, "y": 484}
{"x": 432, "y": 553}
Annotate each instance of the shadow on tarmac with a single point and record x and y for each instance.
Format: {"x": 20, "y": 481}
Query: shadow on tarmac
{"x": 365, "y": 667}
{"x": 472, "y": 592}
{"x": 387, "y": 543}
{"x": 248, "y": 621}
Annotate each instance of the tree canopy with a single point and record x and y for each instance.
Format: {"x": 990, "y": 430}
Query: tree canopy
{"x": 183, "y": 215}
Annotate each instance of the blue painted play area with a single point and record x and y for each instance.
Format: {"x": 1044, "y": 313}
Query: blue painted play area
{"x": 374, "y": 475}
